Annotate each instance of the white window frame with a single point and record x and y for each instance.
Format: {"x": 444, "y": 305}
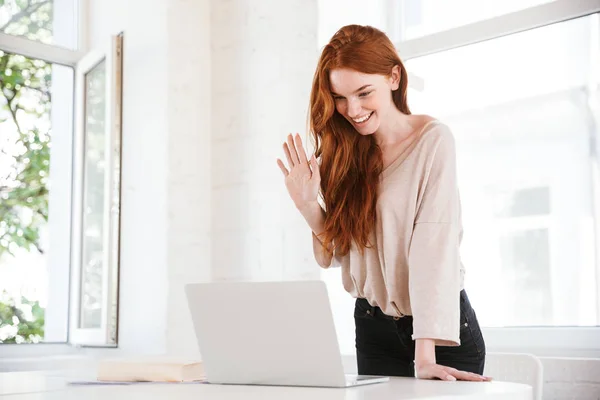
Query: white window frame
{"x": 76, "y": 59}
{"x": 102, "y": 336}
{"x": 550, "y": 341}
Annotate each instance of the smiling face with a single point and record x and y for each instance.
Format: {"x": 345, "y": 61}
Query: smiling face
{"x": 363, "y": 99}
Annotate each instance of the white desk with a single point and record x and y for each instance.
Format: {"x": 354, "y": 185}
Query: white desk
{"x": 53, "y": 386}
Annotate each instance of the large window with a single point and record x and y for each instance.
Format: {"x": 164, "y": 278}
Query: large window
{"x": 525, "y": 124}
{"x": 522, "y": 95}
{"x": 29, "y": 261}
{"x": 59, "y": 180}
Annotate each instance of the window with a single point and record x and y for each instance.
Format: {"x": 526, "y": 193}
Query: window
{"x": 525, "y": 169}
{"x": 45, "y": 21}
{"x": 93, "y": 197}
{"x": 29, "y": 259}
{"x": 96, "y": 212}
{"x": 522, "y": 95}
{"x": 59, "y": 181}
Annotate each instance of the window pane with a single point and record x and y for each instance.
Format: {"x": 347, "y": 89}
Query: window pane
{"x": 522, "y": 202}
{"x": 46, "y": 21}
{"x": 525, "y": 268}
{"x": 424, "y": 17}
{"x": 34, "y": 274}
{"x": 524, "y": 122}
{"x": 93, "y": 244}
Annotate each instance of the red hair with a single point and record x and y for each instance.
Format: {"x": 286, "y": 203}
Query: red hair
{"x": 350, "y": 162}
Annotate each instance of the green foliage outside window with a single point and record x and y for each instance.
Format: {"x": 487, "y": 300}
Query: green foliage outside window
{"x": 25, "y": 104}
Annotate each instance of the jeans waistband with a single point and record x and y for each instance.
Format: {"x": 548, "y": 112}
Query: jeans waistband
{"x": 377, "y": 312}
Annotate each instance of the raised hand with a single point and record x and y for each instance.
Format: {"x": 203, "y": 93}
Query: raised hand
{"x": 303, "y": 178}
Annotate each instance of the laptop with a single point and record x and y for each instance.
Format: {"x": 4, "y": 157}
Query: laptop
{"x": 268, "y": 333}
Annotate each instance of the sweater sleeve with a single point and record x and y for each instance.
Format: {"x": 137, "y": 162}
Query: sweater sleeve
{"x": 433, "y": 260}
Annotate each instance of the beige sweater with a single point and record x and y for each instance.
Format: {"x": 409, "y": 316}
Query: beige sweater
{"x": 414, "y": 267}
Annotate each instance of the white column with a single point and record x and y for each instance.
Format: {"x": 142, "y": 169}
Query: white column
{"x": 263, "y": 59}
{"x": 189, "y": 158}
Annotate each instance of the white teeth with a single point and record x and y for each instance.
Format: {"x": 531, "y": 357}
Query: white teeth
{"x": 363, "y": 119}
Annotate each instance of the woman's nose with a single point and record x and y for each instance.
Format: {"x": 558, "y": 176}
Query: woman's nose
{"x": 354, "y": 108}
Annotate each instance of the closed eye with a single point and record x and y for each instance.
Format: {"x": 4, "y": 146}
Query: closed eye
{"x": 365, "y": 94}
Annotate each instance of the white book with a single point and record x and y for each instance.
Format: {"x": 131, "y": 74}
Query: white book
{"x": 150, "y": 369}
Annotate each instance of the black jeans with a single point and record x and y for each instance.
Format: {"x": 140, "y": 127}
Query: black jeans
{"x": 384, "y": 345}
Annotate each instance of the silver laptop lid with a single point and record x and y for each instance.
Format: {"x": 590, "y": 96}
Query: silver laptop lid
{"x": 272, "y": 333}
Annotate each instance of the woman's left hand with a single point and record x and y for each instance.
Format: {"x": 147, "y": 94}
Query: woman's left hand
{"x": 436, "y": 371}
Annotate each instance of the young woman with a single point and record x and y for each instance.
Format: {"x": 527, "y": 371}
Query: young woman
{"x": 392, "y": 212}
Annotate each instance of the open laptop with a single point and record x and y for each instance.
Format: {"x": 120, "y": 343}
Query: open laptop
{"x": 268, "y": 333}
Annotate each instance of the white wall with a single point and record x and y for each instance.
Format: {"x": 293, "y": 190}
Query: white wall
{"x": 263, "y": 57}
{"x": 189, "y": 161}
{"x": 333, "y": 14}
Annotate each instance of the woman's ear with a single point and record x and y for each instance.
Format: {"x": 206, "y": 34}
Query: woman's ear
{"x": 395, "y": 78}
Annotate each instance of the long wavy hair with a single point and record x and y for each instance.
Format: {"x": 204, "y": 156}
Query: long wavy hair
{"x": 350, "y": 163}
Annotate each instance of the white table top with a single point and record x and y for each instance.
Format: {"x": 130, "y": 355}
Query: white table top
{"x": 55, "y": 386}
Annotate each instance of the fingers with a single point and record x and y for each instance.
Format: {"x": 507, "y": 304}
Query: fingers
{"x": 292, "y": 150}
{"x": 464, "y": 376}
{"x": 282, "y": 167}
{"x": 295, "y": 154}
{"x": 300, "y": 149}
{"x": 436, "y": 371}
{"x": 314, "y": 166}
{"x": 288, "y": 155}
{"x": 444, "y": 374}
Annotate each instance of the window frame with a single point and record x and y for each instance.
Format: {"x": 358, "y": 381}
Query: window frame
{"x": 106, "y": 334}
{"x": 493, "y": 28}
{"x": 542, "y": 341}
{"x": 76, "y": 59}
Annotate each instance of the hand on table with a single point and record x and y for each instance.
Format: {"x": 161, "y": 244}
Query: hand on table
{"x": 436, "y": 371}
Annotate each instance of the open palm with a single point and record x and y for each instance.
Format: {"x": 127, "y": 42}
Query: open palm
{"x": 302, "y": 179}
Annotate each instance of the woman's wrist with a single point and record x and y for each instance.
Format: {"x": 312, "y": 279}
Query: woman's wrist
{"x": 424, "y": 352}
{"x": 309, "y": 208}
{"x": 314, "y": 215}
